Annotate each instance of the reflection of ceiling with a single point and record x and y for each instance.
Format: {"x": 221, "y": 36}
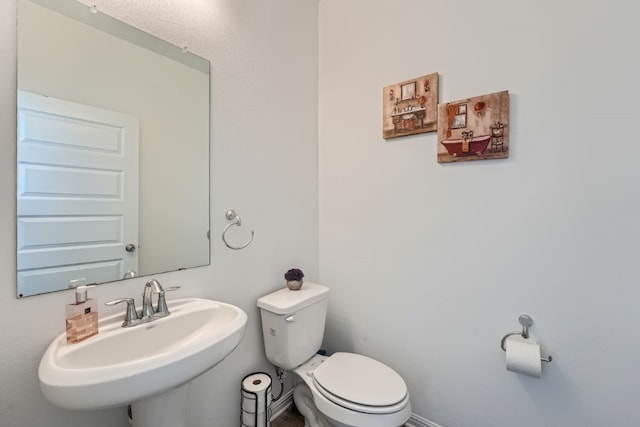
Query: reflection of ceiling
{"x": 82, "y": 13}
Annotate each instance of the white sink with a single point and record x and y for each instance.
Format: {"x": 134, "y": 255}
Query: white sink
{"x": 121, "y": 366}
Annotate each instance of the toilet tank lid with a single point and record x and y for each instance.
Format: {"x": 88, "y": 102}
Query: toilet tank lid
{"x": 285, "y": 301}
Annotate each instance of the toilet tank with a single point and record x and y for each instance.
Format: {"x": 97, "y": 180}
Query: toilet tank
{"x": 293, "y": 323}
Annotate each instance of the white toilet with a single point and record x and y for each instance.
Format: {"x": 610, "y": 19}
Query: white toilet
{"x": 342, "y": 390}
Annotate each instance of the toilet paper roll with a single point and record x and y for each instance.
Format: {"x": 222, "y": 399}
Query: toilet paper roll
{"x": 250, "y": 420}
{"x": 523, "y": 356}
{"x": 256, "y": 400}
{"x": 252, "y": 403}
{"x": 256, "y": 392}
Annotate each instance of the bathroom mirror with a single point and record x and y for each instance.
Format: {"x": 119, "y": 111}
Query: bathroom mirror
{"x": 113, "y": 150}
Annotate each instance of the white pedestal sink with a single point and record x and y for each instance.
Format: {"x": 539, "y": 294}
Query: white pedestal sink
{"x": 148, "y": 366}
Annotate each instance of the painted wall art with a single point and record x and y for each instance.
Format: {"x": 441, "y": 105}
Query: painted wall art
{"x": 410, "y": 107}
{"x": 474, "y": 129}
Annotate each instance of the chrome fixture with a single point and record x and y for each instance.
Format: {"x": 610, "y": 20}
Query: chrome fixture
{"x": 130, "y": 274}
{"x": 235, "y": 220}
{"x": 148, "y": 313}
{"x": 130, "y": 316}
{"x": 150, "y": 288}
{"x": 525, "y": 321}
{"x": 161, "y": 310}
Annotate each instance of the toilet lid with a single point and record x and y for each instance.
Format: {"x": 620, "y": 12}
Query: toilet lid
{"x": 360, "y": 379}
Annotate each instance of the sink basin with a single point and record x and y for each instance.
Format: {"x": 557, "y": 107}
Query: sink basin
{"x": 120, "y": 366}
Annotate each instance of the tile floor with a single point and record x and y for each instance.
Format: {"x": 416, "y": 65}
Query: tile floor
{"x": 289, "y": 418}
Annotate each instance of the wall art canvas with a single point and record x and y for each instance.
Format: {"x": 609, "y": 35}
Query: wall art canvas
{"x": 410, "y": 107}
{"x": 474, "y": 129}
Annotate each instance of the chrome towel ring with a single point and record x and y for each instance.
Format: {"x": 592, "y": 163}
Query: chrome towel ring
{"x": 235, "y": 220}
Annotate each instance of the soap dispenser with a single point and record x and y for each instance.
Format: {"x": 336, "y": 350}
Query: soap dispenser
{"x": 81, "y": 316}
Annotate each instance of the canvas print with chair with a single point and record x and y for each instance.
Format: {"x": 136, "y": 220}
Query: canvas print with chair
{"x": 474, "y": 129}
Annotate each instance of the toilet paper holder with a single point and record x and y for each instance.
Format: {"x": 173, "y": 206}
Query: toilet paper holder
{"x": 526, "y": 321}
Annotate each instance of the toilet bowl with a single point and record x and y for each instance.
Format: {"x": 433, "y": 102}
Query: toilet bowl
{"x": 341, "y": 390}
{"x": 351, "y": 390}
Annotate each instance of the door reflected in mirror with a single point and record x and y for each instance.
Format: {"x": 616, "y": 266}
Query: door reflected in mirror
{"x": 113, "y": 150}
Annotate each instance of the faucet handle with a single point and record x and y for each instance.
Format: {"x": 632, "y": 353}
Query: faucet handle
{"x": 163, "y": 310}
{"x": 130, "y": 315}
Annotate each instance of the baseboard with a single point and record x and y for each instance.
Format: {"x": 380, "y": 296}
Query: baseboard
{"x": 418, "y": 421}
{"x": 281, "y": 405}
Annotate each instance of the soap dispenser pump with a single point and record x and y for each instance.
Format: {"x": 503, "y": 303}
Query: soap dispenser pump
{"x": 81, "y": 316}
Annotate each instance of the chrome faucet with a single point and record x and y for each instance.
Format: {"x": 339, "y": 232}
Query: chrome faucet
{"x": 148, "y": 313}
{"x": 150, "y": 288}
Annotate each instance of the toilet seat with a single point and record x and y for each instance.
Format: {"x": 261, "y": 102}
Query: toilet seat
{"x": 340, "y": 411}
{"x": 359, "y": 383}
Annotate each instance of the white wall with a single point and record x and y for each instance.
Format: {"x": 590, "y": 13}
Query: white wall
{"x": 430, "y": 264}
{"x": 557, "y": 220}
{"x": 264, "y": 165}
